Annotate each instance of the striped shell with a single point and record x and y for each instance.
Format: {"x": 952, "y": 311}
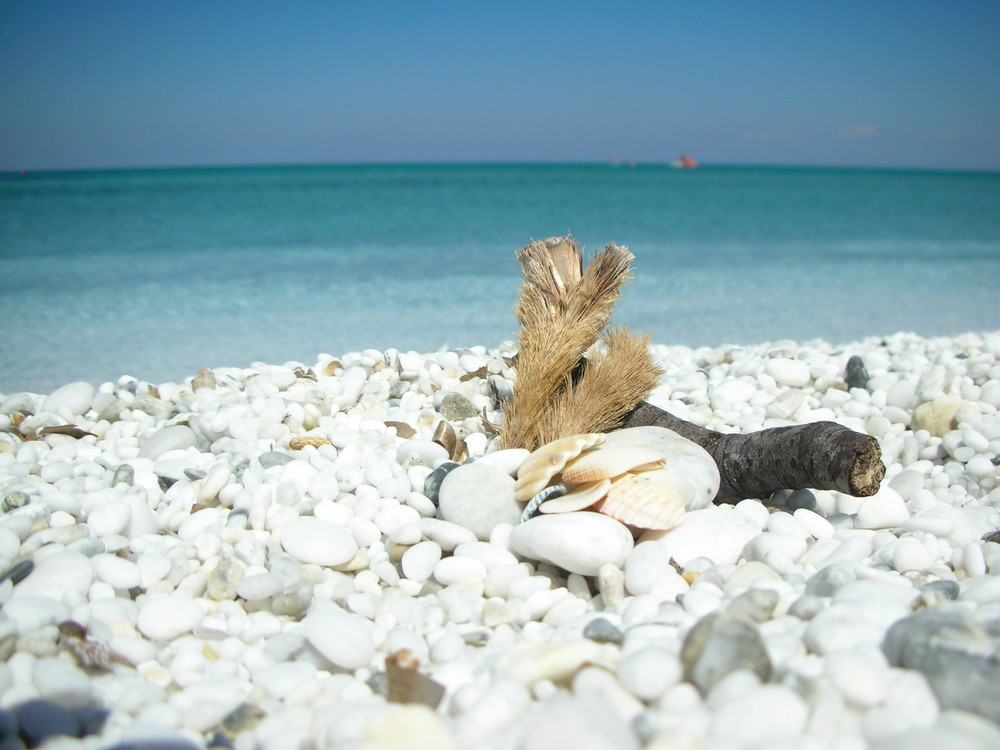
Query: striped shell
{"x": 643, "y": 501}
{"x": 545, "y": 462}
{"x": 579, "y": 497}
{"x": 605, "y": 463}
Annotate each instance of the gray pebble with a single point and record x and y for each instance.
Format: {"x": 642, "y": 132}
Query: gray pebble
{"x": 455, "y": 407}
{"x": 238, "y": 518}
{"x": 801, "y": 499}
{"x": 856, "y": 375}
{"x": 294, "y": 600}
{"x": 947, "y": 589}
{"x": 224, "y": 579}
{"x": 432, "y": 484}
{"x": 273, "y": 458}
{"x": 112, "y": 412}
{"x": 124, "y": 473}
{"x": 18, "y": 572}
{"x": 721, "y": 643}
{"x": 602, "y": 631}
{"x": 756, "y": 605}
{"x": 806, "y": 607}
{"x": 194, "y": 473}
{"x": 240, "y": 468}
{"x": 398, "y": 388}
{"x": 993, "y": 536}
{"x": 957, "y": 655}
{"x": 826, "y": 581}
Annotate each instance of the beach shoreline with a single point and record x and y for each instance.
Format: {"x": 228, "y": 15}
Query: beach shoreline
{"x": 249, "y": 546}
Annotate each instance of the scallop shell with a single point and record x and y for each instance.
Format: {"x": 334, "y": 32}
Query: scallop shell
{"x": 641, "y": 500}
{"x": 580, "y": 497}
{"x": 547, "y": 461}
{"x": 605, "y": 463}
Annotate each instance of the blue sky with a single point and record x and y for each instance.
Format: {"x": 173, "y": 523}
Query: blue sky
{"x": 131, "y": 84}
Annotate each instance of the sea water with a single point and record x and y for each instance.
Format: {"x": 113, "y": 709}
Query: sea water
{"x": 157, "y": 273}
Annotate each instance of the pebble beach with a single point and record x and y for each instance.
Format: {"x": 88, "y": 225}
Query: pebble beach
{"x": 281, "y": 557}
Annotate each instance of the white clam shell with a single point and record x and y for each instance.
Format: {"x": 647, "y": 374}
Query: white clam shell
{"x": 545, "y": 462}
{"x": 605, "y": 463}
{"x": 580, "y": 497}
{"x": 644, "y": 501}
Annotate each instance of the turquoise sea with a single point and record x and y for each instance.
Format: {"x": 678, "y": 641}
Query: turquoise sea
{"x": 156, "y": 273}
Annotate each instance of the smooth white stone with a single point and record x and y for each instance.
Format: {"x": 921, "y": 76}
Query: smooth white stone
{"x": 790, "y": 372}
{"x": 116, "y": 571}
{"x": 771, "y": 713}
{"x": 883, "y": 510}
{"x": 175, "y": 437}
{"x": 343, "y": 638}
{"x": 448, "y": 535}
{"x": 70, "y": 400}
{"x": 478, "y": 497}
{"x": 164, "y": 617}
{"x": 111, "y": 518}
{"x": 311, "y": 540}
{"x": 508, "y": 460}
{"x": 259, "y": 586}
{"x": 861, "y": 675}
{"x": 61, "y": 682}
{"x": 420, "y": 452}
{"x": 649, "y": 672}
{"x": 491, "y": 555}
{"x": 419, "y": 560}
{"x": 57, "y": 575}
{"x": 718, "y": 532}
{"x": 213, "y": 482}
{"x": 409, "y": 727}
{"x": 280, "y": 680}
{"x": 465, "y": 570}
{"x": 693, "y": 471}
{"x": 579, "y": 542}
{"x": 646, "y": 564}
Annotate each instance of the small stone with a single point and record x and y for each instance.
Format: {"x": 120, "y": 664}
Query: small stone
{"x": 224, "y": 579}
{"x": 886, "y": 509}
{"x": 856, "y": 375}
{"x": 294, "y": 600}
{"x": 70, "y": 400}
{"x": 123, "y": 474}
{"x": 15, "y": 499}
{"x": 432, "y": 484}
{"x": 579, "y": 542}
{"x": 718, "y": 532}
{"x": 175, "y": 437}
{"x": 18, "y": 572}
{"x": 957, "y": 655}
{"x": 274, "y": 458}
{"x": 311, "y": 540}
{"x": 455, "y": 408}
{"x": 418, "y": 561}
{"x": 937, "y": 416}
{"x": 409, "y": 727}
{"x": 789, "y": 372}
{"x": 40, "y": 719}
{"x": 166, "y": 617}
{"x": 602, "y": 631}
{"x": 479, "y": 497}
{"x": 648, "y": 672}
{"x": 204, "y": 378}
{"x": 721, "y": 643}
{"x": 298, "y": 443}
{"x": 343, "y": 638}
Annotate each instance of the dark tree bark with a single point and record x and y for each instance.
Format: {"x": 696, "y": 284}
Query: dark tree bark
{"x": 819, "y": 456}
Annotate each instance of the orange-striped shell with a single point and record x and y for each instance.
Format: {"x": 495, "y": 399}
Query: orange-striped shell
{"x": 605, "y": 463}
{"x": 545, "y": 462}
{"x": 643, "y": 501}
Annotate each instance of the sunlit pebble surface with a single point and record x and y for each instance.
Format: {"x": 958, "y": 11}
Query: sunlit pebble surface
{"x": 257, "y": 590}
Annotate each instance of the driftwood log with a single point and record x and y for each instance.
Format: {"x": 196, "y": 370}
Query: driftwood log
{"x": 818, "y": 456}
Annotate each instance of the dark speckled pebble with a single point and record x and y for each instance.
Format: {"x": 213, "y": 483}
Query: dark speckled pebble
{"x": 993, "y": 536}
{"x": 856, "y": 374}
{"x": 40, "y": 719}
{"x": 432, "y": 484}
{"x": 947, "y": 589}
{"x": 90, "y": 718}
{"x": 273, "y": 458}
{"x": 8, "y": 723}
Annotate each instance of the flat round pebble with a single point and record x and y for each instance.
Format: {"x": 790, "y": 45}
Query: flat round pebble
{"x": 311, "y": 540}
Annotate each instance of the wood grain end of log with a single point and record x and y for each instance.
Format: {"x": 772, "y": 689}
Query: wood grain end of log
{"x": 867, "y": 471}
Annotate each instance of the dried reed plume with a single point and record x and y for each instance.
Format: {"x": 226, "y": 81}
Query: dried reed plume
{"x": 562, "y": 312}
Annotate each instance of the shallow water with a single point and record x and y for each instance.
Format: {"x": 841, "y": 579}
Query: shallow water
{"x": 156, "y": 273}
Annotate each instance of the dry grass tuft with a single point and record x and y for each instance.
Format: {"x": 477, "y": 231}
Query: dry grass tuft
{"x": 562, "y": 311}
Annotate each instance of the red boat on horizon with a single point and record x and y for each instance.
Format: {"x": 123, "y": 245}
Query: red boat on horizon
{"x": 685, "y": 162}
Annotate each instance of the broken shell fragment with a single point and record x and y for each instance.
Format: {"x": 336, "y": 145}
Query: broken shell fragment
{"x": 642, "y": 501}
{"x": 605, "y": 463}
{"x": 545, "y": 462}
{"x": 579, "y": 497}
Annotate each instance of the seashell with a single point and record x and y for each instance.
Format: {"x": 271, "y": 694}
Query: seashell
{"x": 547, "y": 461}
{"x": 580, "y": 497}
{"x": 641, "y": 500}
{"x": 605, "y": 463}
{"x": 531, "y": 509}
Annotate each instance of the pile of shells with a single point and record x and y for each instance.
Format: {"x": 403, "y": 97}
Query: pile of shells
{"x": 635, "y": 476}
